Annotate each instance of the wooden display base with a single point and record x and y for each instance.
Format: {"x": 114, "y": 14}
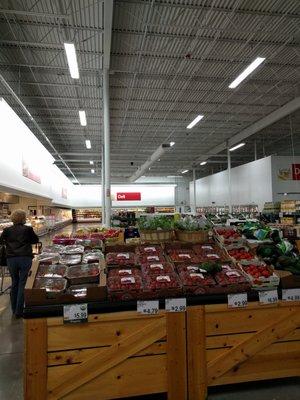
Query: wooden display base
{"x": 124, "y": 354}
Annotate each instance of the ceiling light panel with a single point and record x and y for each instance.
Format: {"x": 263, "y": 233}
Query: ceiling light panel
{"x": 195, "y": 121}
{"x": 72, "y": 60}
{"x": 255, "y": 64}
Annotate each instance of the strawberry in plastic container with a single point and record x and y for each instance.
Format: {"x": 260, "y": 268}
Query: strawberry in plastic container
{"x": 149, "y": 250}
{"x": 197, "y": 282}
{"x": 240, "y": 254}
{"x": 162, "y": 281}
{"x": 121, "y": 258}
{"x": 183, "y": 256}
{"x": 124, "y": 288}
{"x": 151, "y": 258}
{"x": 196, "y": 268}
{"x": 123, "y": 272}
{"x": 158, "y": 268}
{"x": 230, "y": 276}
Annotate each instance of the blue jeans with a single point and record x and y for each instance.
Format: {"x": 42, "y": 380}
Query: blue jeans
{"x": 19, "y": 268}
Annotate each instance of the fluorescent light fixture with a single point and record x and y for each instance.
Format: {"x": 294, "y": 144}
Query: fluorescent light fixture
{"x": 88, "y": 144}
{"x": 195, "y": 121}
{"x": 92, "y": 171}
{"x": 237, "y": 146}
{"x": 91, "y": 162}
{"x": 203, "y": 163}
{"x": 185, "y": 171}
{"x": 82, "y": 117}
{"x": 246, "y": 72}
{"x": 172, "y": 144}
{"x": 72, "y": 60}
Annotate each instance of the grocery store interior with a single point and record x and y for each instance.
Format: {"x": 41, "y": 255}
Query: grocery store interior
{"x": 154, "y": 146}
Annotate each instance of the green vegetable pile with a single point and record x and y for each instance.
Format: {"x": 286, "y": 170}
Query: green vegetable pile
{"x": 211, "y": 267}
{"x": 190, "y": 223}
{"x": 153, "y": 223}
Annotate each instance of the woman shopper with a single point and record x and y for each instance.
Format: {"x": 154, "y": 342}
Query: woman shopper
{"x": 18, "y": 240}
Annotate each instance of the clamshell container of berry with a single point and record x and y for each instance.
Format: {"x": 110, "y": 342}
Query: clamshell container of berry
{"x": 92, "y": 256}
{"x": 162, "y": 286}
{"x": 48, "y": 258}
{"x": 84, "y": 273}
{"x": 123, "y": 272}
{"x": 74, "y": 249}
{"x": 196, "y": 283}
{"x": 124, "y": 288}
{"x": 151, "y": 258}
{"x": 55, "y": 248}
{"x": 121, "y": 259}
{"x": 51, "y": 271}
{"x": 157, "y": 268}
{"x": 70, "y": 259}
{"x": 183, "y": 256}
{"x": 51, "y": 285}
{"x": 149, "y": 250}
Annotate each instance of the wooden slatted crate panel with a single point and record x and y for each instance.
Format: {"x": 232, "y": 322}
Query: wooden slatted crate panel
{"x": 112, "y": 356}
{"x": 250, "y": 344}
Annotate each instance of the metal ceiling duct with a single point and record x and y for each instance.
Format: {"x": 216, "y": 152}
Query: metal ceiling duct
{"x": 153, "y": 158}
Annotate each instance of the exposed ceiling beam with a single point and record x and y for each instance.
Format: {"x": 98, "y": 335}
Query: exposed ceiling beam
{"x": 208, "y": 7}
{"x": 33, "y": 13}
{"x": 268, "y": 120}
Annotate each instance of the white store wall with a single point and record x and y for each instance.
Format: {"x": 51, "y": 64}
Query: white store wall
{"x": 251, "y": 183}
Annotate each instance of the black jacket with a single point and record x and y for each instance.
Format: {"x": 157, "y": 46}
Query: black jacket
{"x": 18, "y": 240}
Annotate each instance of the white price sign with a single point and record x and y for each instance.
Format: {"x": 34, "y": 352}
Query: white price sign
{"x": 291, "y": 294}
{"x": 176, "y": 305}
{"x": 147, "y": 307}
{"x": 268, "y": 297}
{"x": 237, "y": 300}
{"x": 75, "y": 313}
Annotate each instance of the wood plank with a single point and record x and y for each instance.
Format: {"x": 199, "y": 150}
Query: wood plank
{"x": 218, "y": 341}
{"x": 282, "y": 350}
{"x": 114, "y": 355}
{"x": 176, "y": 356}
{"x": 243, "y": 320}
{"x": 251, "y": 346}
{"x": 133, "y": 377}
{"x": 79, "y": 355}
{"x": 35, "y": 382}
{"x": 110, "y": 317}
{"x": 92, "y": 335}
{"x": 197, "y": 377}
{"x": 252, "y": 370}
{"x": 255, "y": 305}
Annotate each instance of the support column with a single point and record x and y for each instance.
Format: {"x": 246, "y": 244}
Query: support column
{"x": 229, "y": 179}
{"x": 103, "y": 185}
{"x": 194, "y": 196}
{"x": 106, "y": 125}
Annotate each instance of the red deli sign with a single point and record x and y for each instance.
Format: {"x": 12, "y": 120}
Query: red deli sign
{"x": 296, "y": 172}
{"x": 132, "y": 196}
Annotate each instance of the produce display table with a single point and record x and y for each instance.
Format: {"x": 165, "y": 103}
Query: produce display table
{"x": 123, "y": 354}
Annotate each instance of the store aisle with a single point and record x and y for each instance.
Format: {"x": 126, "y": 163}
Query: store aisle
{"x": 11, "y": 353}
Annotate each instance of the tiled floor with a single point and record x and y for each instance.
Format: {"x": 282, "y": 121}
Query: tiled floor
{"x": 11, "y": 368}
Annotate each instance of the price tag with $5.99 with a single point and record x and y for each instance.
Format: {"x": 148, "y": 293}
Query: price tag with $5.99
{"x": 75, "y": 313}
